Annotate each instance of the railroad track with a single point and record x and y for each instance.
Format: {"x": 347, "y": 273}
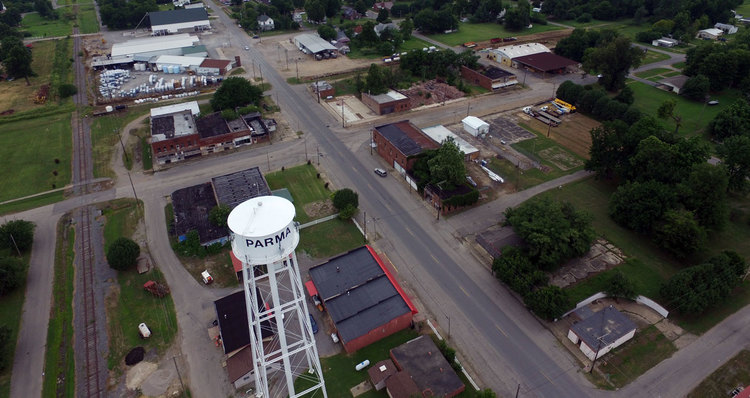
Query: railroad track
{"x": 92, "y": 382}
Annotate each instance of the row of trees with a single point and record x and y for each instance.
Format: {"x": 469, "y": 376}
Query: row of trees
{"x": 553, "y": 233}
{"x": 725, "y": 66}
{"x": 608, "y": 10}
{"x": 732, "y": 127}
{"x": 247, "y": 13}
{"x": 595, "y": 101}
{"x": 122, "y": 14}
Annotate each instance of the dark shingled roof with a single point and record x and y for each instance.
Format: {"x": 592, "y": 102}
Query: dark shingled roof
{"x": 427, "y": 366}
{"x": 406, "y": 137}
{"x": 401, "y": 385}
{"x": 232, "y": 317}
{"x": 607, "y": 325}
{"x": 178, "y": 16}
{"x": 191, "y": 207}
{"x": 235, "y": 188}
{"x": 545, "y": 61}
{"x": 357, "y": 293}
{"x": 211, "y": 125}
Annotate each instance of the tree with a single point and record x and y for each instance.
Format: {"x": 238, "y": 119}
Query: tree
{"x": 619, "y": 285}
{"x": 123, "y": 254}
{"x": 382, "y": 15}
{"x": 613, "y": 60}
{"x": 17, "y": 61}
{"x": 735, "y": 152}
{"x": 406, "y": 27}
{"x": 515, "y": 269}
{"x": 219, "y": 214}
{"x": 12, "y": 271}
{"x": 235, "y": 92}
{"x": 639, "y": 205}
{"x": 553, "y": 231}
{"x": 662, "y": 161}
{"x": 5, "y": 344}
{"x": 346, "y": 201}
{"x": 549, "y": 302}
{"x": 696, "y": 88}
{"x": 333, "y": 7}
{"x": 315, "y": 10}
{"x": 447, "y": 167}
{"x": 518, "y": 18}
{"x": 733, "y": 120}
{"x": 679, "y": 233}
{"x": 667, "y": 111}
{"x": 17, "y": 234}
{"x": 45, "y": 10}
{"x": 705, "y": 194}
{"x": 626, "y": 96}
{"x": 326, "y": 32}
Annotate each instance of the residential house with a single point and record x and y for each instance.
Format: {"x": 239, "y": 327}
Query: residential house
{"x": 265, "y": 22}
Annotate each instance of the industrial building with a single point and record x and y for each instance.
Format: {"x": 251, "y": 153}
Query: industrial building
{"x": 597, "y": 333}
{"x": 182, "y": 20}
{"x": 545, "y": 63}
{"x": 441, "y": 133}
{"x": 363, "y": 299}
{"x": 314, "y": 45}
{"x": 399, "y": 144}
{"x": 390, "y": 102}
{"x": 178, "y": 136}
{"x": 150, "y": 46}
{"x": 475, "y": 126}
{"x": 427, "y": 367}
{"x": 506, "y": 54}
{"x": 490, "y": 78}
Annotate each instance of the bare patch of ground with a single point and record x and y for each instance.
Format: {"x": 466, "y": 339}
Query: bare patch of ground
{"x": 574, "y": 133}
{"x": 431, "y": 92}
{"x": 601, "y": 257}
{"x": 319, "y": 209}
{"x": 138, "y": 373}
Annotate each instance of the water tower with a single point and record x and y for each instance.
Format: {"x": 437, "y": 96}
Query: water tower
{"x": 264, "y": 237}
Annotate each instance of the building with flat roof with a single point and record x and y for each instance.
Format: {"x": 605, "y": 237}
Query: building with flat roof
{"x": 428, "y": 368}
{"x": 490, "y": 78}
{"x": 362, "y": 298}
{"x": 192, "y": 106}
{"x": 234, "y": 328}
{"x": 601, "y": 332}
{"x": 441, "y": 133}
{"x": 234, "y": 188}
{"x": 181, "y": 20}
{"x": 505, "y": 54}
{"x": 313, "y": 44}
{"x": 544, "y": 63}
{"x": 191, "y": 207}
{"x": 390, "y": 102}
{"x": 399, "y": 144}
{"x": 214, "y": 67}
{"x": 150, "y": 46}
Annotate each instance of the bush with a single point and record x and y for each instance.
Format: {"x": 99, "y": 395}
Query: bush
{"x": 123, "y": 254}
{"x": 345, "y": 197}
{"x": 647, "y": 36}
{"x": 549, "y": 302}
{"x": 516, "y": 270}
{"x": 19, "y": 231}
{"x": 347, "y": 212}
{"x": 619, "y": 285}
{"x": 67, "y": 90}
{"x": 11, "y": 274}
{"x": 583, "y": 18}
{"x": 218, "y": 215}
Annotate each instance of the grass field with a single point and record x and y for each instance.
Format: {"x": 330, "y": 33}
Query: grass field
{"x": 635, "y": 357}
{"x": 652, "y": 72}
{"x": 86, "y": 19}
{"x": 485, "y": 31}
{"x": 31, "y": 203}
{"x": 679, "y": 65}
{"x": 29, "y": 150}
{"x": 695, "y": 116}
{"x": 330, "y": 238}
{"x": 59, "y": 362}
{"x": 304, "y": 186}
{"x": 549, "y": 153}
{"x": 11, "y": 305}
{"x": 131, "y": 304}
{"x": 40, "y": 27}
{"x": 653, "y": 56}
{"x": 104, "y": 139}
{"x": 372, "y": 53}
{"x": 17, "y": 95}
{"x": 734, "y": 373}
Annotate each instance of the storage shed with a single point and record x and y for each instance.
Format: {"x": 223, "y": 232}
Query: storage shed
{"x": 475, "y": 126}
{"x": 601, "y": 332}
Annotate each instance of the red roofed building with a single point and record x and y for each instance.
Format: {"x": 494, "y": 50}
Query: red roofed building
{"x": 544, "y": 62}
{"x": 214, "y": 66}
{"x": 399, "y": 144}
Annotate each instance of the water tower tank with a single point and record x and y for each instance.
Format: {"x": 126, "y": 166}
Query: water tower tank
{"x": 263, "y": 230}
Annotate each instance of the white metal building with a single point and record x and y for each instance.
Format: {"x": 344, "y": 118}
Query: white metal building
{"x": 440, "y": 133}
{"x": 191, "y": 106}
{"x": 475, "y": 126}
{"x": 173, "y": 21}
{"x": 312, "y": 44}
{"x": 505, "y": 54}
{"x": 177, "y": 61}
{"x": 166, "y": 45}
{"x": 710, "y": 34}
{"x": 726, "y": 28}
{"x": 600, "y": 332}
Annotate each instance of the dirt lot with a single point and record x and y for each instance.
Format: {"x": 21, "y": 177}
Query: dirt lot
{"x": 573, "y": 133}
{"x": 281, "y": 52}
{"x": 431, "y": 92}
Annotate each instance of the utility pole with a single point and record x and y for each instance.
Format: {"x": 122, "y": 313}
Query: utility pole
{"x": 343, "y": 121}
{"x": 253, "y": 62}
{"x": 178, "y": 375}
{"x": 268, "y": 158}
{"x": 119, "y": 135}
{"x": 296, "y": 64}
{"x": 468, "y": 107}
{"x": 260, "y": 71}
{"x": 365, "y": 233}
{"x": 15, "y": 245}
{"x": 318, "y": 150}
{"x": 306, "y": 158}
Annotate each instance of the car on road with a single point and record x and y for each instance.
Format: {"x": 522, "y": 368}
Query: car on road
{"x": 313, "y": 324}
{"x": 713, "y": 102}
{"x": 255, "y": 36}
{"x": 247, "y": 48}
{"x": 381, "y": 172}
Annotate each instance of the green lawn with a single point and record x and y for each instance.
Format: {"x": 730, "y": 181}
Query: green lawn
{"x": 625, "y": 363}
{"x": 549, "y": 153}
{"x": 485, "y": 31}
{"x": 59, "y": 362}
{"x": 679, "y": 65}
{"x": 330, "y": 238}
{"x": 652, "y": 72}
{"x": 695, "y": 116}
{"x": 744, "y": 8}
{"x": 653, "y": 56}
{"x": 132, "y": 304}
{"x": 372, "y": 53}
{"x": 734, "y": 373}
{"x": 86, "y": 19}
{"x": 35, "y": 155}
{"x": 32, "y": 203}
{"x": 104, "y": 138}
{"x": 40, "y": 27}
{"x": 304, "y": 186}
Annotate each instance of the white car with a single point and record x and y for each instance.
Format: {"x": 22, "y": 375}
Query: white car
{"x": 544, "y": 108}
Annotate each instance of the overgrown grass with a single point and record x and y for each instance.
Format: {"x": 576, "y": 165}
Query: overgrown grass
{"x": 86, "y": 19}
{"x": 147, "y": 160}
{"x": 549, "y": 153}
{"x": 40, "y": 27}
{"x": 647, "y": 282}
{"x": 59, "y": 362}
{"x": 653, "y": 56}
{"x": 521, "y": 179}
{"x": 237, "y": 71}
{"x": 32, "y": 203}
{"x": 651, "y": 72}
{"x": 330, "y": 238}
{"x": 695, "y": 115}
{"x": 484, "y": 31}
{"x": 132, "y": 305}
{"x": 304, "y": 186}
{"x": 734, "y": 373}
{"x": 625, "y": 363}
{"x": 105, "y": 132}
{"x": 679, "y": 65}
{"x": 28, "y": 149}
{"x": 372, "y": 53}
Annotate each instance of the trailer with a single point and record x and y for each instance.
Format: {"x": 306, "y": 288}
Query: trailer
{"x": 546, "y": 121}
{"x": 550, "y": 117}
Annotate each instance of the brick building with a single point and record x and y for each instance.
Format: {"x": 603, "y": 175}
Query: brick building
{"x": 390, "y": 102}
{"x": 491, "y": 78}
{"x": 399, "y": 143}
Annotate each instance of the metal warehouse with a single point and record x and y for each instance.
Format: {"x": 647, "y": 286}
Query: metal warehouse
{"x": 173, "y": 21}
{"x": 313, "y": 44}
{"x": 168, "y": 45}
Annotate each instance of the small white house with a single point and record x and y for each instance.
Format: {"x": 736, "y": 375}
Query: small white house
{"x": 601, "y": 332}
{"x": 726, "y": 28}
{"x": 265, "y": 22}
{"x": 475, "y": 126}
{"x": 664, "y": 42}
{"x": 709, "y": 34}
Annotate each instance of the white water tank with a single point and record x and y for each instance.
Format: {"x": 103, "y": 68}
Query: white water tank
{"x": 263, "y": 229}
